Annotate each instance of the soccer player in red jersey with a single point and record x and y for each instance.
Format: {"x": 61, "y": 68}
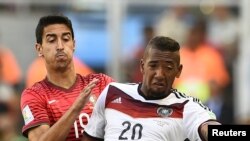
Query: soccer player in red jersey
{"x": 58, "y": 107}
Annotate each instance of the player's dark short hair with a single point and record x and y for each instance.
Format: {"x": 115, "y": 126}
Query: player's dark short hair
{"x": 162, "y": 43}
{"x": 49, "y": 20}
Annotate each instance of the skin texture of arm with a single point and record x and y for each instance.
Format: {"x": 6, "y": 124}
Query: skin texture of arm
{"x": 203, "y": 129}
{"x": 61, "y": 128}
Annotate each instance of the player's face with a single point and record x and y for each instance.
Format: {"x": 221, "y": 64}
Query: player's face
{"x": 57, "y": 46}
{"x": 159, "y": 69}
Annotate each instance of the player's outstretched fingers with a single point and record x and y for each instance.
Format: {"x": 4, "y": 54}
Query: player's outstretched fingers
{"x": 86, "y": 92}
{"x": 92, "y": 84}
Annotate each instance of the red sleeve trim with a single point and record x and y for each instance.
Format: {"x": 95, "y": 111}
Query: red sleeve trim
{"x": 26, "y": 128}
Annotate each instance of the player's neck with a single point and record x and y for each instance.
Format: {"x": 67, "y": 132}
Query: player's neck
{"x": 62, "y": 79}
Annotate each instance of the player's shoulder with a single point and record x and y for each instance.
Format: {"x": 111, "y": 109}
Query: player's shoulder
{"x": 191, "y": 101}
{"x": 183, "y": 96}
{"x": 100, "y": 76}
{"x": 121, "y": 85}
{"x": 179, "y": 97}
{"x": 95, "y": 75}
{"x": 121, "y": 89}
{"x": 125, "y": 87}
{"x": 36, "y": 88}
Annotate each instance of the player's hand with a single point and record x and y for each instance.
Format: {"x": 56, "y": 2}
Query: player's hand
{"x": 86, "y": 92}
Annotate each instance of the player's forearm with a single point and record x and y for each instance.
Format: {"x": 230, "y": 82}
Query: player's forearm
{"x": 60, "y": 130}
{"x": 203, "y": 130}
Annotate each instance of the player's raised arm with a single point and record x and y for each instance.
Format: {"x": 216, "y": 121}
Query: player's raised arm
{"x": 60, "y": 129}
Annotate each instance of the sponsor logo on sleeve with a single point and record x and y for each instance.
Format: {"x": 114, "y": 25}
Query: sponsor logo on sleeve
{"x": 27, "y": 115}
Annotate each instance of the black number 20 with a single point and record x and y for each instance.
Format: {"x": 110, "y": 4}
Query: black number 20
{"x": 127, "y": 125}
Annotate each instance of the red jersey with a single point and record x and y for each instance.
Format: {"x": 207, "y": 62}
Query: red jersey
{"x": 45, "y": 103}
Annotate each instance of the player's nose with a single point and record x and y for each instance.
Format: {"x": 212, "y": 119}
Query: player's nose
{"x": 60, "y": 44}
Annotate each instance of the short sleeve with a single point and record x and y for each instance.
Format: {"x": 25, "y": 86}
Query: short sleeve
{"x": 96, "y": 124}
{"x": 195, "y": 113}
{"x": 33, "y": 109}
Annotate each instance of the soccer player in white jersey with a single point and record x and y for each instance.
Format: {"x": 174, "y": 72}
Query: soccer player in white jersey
{"x": 151, "y": 110}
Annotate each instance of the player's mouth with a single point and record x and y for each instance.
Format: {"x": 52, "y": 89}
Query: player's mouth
{"x": 61, "y": 56}
{"x": 159, "y": 85}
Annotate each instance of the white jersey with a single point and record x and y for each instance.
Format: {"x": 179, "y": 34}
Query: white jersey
{"x": 121, "y": 113}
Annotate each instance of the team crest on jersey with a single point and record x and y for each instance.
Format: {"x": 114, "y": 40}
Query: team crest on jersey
{"x": 164, "y": 111}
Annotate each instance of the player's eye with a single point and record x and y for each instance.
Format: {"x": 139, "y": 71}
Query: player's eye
{"x": 66, "y": 38}
{"x": 152, "y": 65}
{"x": 51, "y": 40}
{"x": 169, "y": 67}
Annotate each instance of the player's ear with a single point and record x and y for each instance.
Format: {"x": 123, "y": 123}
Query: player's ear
{"x": 142, "y": 66}
{"x": 39, "y": 49}
{"x": 179, "y": 71}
